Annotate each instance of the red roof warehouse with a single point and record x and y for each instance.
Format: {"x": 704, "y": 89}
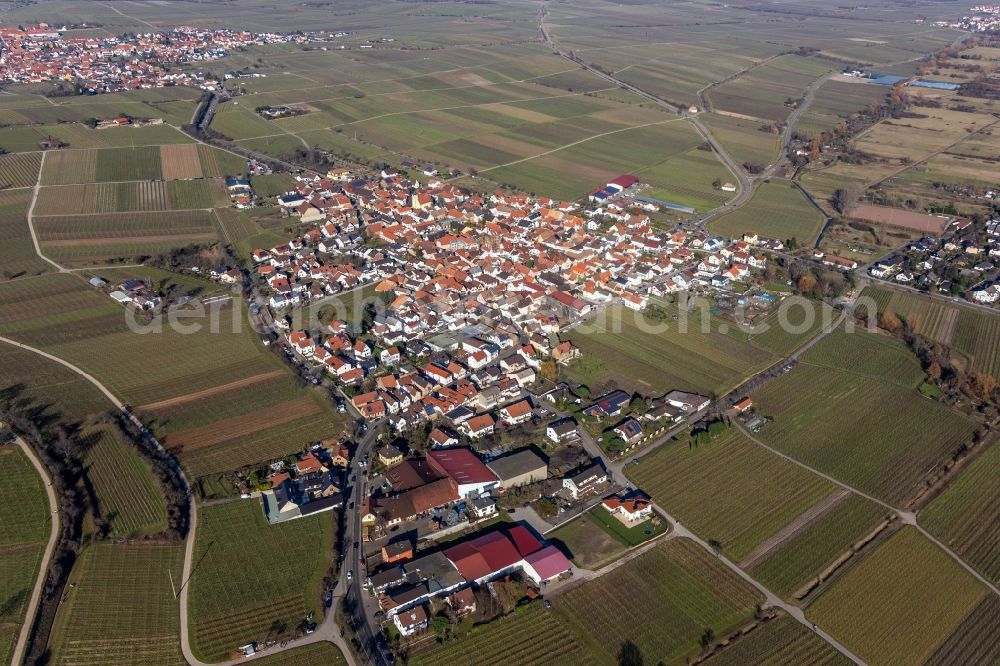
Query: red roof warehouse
{"x": 462, "y": 465}
{"x": 493, "y": 553}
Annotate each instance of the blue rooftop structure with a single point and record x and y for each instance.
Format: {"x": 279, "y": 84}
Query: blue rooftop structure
{"x": 937, "y": 85}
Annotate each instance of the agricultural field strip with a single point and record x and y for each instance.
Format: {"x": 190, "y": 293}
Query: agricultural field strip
{"x": 792, "y": 529}
{"x": 907, "y": 517}
{"x": 54, "y": 527}
{"x": 29, "y": 216}
{"x": 933, "y": 154}
{"x": 442, "y": 108}
{"x": 576, "y": 143}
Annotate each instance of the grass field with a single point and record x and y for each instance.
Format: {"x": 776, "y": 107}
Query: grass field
{"x": 587, "y": 543}
{"x": 24, "y": 513}
{"x": 743, "y": 138}
{"x": 871, "y": 380}
{"x": 216, "y": 399}
{"x": 780, "y": 642}
{"x": 121, "y": 609}
{"x": 616, "y": 350}
{"x": 974, "y": 334}
{"x": 900, "y": 603}
{"x": 128, "y": 493}
{"x": 714, "y": 489}
{"x": 629, "y": 536}
{"x": 966, "y": 517}
{"x": 236, "y": 599}
{"x": 677, "y": 588}
{"x": 317, "y": 654}
{"x": 777, "y": 210}
{"x": 791, "y": 565}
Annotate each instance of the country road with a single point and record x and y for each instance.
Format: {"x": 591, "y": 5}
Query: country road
{"x": 17, "y": 656}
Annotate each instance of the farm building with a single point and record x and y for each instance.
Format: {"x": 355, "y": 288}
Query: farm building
{"x": 464, "y": 468}
{"x": 519, "y": 468}
{"x": 621, "y": 183}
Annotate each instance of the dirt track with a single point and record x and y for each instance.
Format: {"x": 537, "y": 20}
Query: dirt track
{"x": 195, "y": 439}
{"x": 209, "y": 392}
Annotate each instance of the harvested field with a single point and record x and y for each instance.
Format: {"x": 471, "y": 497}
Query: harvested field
{"x": 180, "y": 161}
{"x": 931, "y": 224}
{"x": 188, "y": 441}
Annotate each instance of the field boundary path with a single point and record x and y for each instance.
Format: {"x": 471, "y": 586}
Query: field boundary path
{"x": 771, "y": 599}
{"x": 30, "y": 218}
{"x": 327, "y": 632}
{"x": 804, "y": 520}
{"x": 746, "y": 183}
{"x": 36, "y": 592}
{"x": 906, "y": 517}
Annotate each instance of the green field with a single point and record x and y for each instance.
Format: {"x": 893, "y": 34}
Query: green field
{"x": 105, "y": 165}
{"x": 900, "y": 603}
{"x": 744, "y": 139}
{"x": 966, "y": 517}
{"x": 782, "y": 641}
{"x": 128, "y": 494}
{"x": 629, "y": 536}
{"x": 799, "y": 560}
{"x": 24, "y": 513}
{"x": 850, "y": 409}
{"x": 777, "y": 210}
{"x": 715, "y": 489}
{"x": 237, "y": 599}
{"x": 677, "y": 588}
{"x": 654, "y": 361}
{"x": 52, "y": 389}
{"x": 121, "y": 609}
